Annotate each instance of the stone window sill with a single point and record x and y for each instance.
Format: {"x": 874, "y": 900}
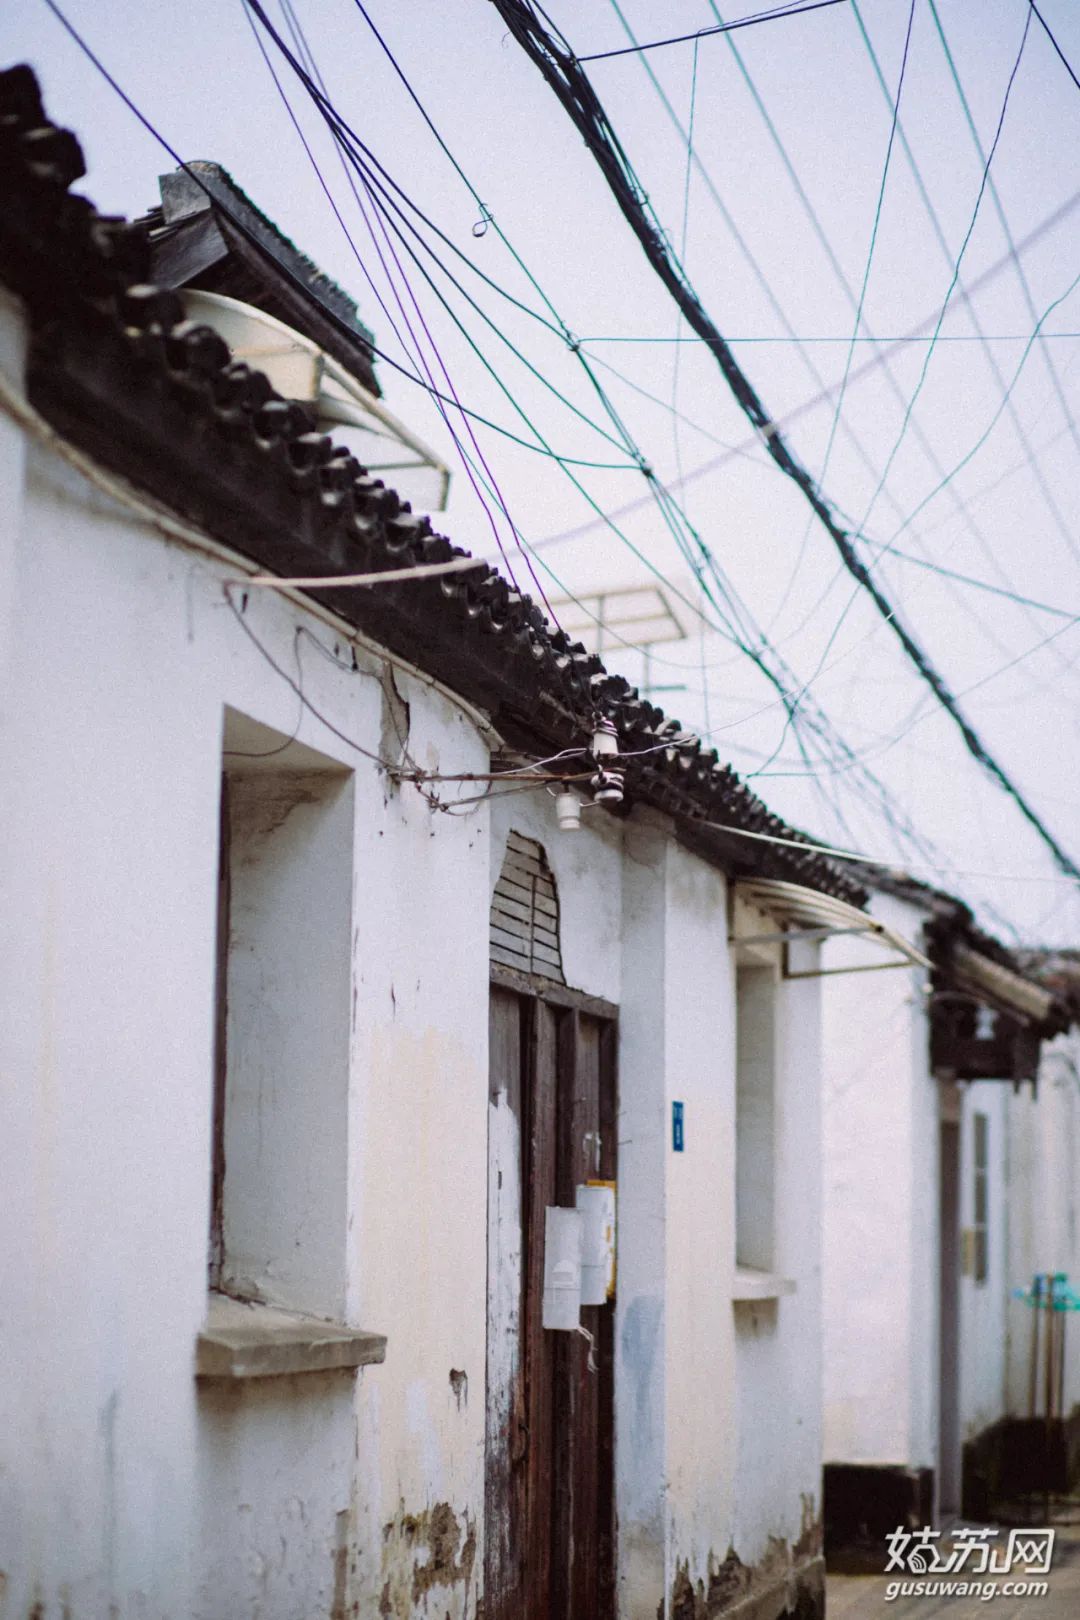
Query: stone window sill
{"x": 244, "y": 1340}
{"x": 751, "y": 1284}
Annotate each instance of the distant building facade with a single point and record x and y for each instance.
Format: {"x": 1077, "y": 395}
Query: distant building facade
{"x": 951, "y": 1157}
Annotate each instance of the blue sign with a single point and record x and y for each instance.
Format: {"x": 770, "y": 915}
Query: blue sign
{"x": 677, "y": 1127}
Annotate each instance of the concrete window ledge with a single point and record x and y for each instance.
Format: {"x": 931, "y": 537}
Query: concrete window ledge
{"x": 245, "y": 1340}
{"x": 751, "y": 1284}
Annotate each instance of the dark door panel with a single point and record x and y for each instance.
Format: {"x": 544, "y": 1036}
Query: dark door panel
{"x": 549, "y": 1547}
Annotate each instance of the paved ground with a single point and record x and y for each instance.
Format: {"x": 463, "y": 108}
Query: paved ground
{"x": 863, "y": 1597}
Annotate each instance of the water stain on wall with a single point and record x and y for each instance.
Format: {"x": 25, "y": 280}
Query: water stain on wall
{"x": 422, "y": 1552}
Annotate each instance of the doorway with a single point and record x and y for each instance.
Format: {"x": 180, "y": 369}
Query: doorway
{"x": 549, "y": 1441}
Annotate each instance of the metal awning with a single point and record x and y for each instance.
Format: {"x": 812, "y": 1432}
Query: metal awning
{"x": 806, "y": 914}
{"x": 999, "y": 987}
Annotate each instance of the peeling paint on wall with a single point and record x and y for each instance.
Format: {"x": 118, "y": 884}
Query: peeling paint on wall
{"x": 424, "y": 1552}
{"x": 787, "y": 1582}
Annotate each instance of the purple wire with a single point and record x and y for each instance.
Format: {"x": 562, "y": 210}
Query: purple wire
{"x": 450, "y": 386}
{"x": 419, "y": 357}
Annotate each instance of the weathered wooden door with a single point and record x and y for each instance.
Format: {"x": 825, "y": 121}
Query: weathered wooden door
{"x": 549, "y": 1545}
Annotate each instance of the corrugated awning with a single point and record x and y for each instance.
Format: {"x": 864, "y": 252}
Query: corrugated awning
{"x": 999, "y": 986}
{"x": 809, "y": 915}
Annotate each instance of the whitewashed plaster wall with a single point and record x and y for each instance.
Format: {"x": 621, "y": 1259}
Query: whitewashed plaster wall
{"x": 1043, "y": 1178}
{"x": 676, "y": 1429}
{"x": 778, "y": 1342}
{"x": 120, "y": 1482}
{"x": 880, "y": 1207}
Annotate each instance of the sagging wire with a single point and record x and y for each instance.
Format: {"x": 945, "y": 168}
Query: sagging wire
{"x": 577, "y": 96}
{"x": 417, "y": 354}
{"x": 575, "y": 347}
{"x": 824, "y": 391}
{"x": 880, "y": 355}
{"x": 857, "y": 305}
{"x": 887, "y": 862}
{"x": 605, "y": 762}
{"x": 349, "y": 142}
{"x": 87, "y": 50}
{"x": 795, "y": 9}
{"x": 234, "y": 220}
{"x": 928, "y": 356}
{"x": 384, "y": 576}
{"x": 789, "y": 418}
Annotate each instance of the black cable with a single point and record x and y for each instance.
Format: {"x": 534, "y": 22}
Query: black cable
{"x": 752, "y": 642}
{"x": 329, "y": 314}
{"x": 817, "y": 723}
{"x": 577, "y": 96}
{"x": 719, "y": 28}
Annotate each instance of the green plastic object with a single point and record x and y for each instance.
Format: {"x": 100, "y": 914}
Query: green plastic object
{"x": 1049, "y": 1291}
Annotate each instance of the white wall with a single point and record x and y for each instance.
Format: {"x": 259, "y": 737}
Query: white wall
{"x": 880, "y": 1207}
{"x": 778, "y": 1343}
{"x": 1043, "y": 1181}
{"x": 120, "y": 1479}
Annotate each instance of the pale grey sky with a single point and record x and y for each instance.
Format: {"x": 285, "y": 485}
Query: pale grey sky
{"x": 795, "y": 123}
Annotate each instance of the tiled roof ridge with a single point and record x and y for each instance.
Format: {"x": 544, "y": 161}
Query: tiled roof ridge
{"x": 950, "y": 921}
{"x": 213, "y": 176}
{"x": 287, "y": 496}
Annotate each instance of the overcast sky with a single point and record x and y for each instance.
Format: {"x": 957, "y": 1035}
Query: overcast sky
{"x": 791, "y": 130}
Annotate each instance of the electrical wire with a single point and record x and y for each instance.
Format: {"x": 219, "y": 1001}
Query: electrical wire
{"x": 945, "y": 479}
{"x": 328, "y": 313}
{"x": 995, "y": 196}
{"x": 338, "y": 126}
{"x": 431, "y": 125}
{"x": 789, "y": 418}
{"x": 722, "y": 28}
{"x": 875, "y": 227}
{"x": 1012, "y": 256}
{"x": 856, "y": 305}
{"x": 927, "y": 358}
{"x": 857, "y": 531}
{"x": 878, "y": 787}
{"x": 887, "y": 862}
{"x": 579, "y": 99}
{"x": 417, "y": 347}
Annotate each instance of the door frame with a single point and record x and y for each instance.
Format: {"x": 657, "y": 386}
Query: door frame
{"x": 557, "y": 1389}
{"x": 560, "y": 995}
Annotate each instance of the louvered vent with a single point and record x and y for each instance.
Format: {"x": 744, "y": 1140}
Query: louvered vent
{"x": 525, "y": 912}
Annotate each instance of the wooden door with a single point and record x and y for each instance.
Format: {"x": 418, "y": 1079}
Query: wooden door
{"x": 549, "y": 1544}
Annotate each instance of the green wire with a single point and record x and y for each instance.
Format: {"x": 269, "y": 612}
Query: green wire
{"x": 895, "y": 104}
{"x": 1020, "y": 271}
{"x": 927, "y": 358}
{"x": 979, "y": 336}
{"x": 981, "y": 440}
